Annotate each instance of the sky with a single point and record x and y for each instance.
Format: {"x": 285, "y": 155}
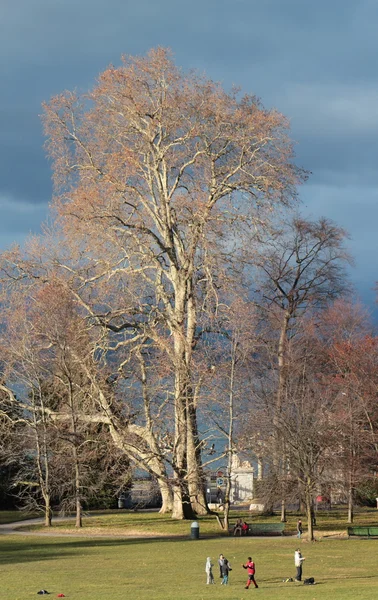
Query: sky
{"x": 316, "y": 62}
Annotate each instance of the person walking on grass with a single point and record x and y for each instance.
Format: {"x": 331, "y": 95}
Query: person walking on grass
{"x": 298, "y": 560}
{"x": 226, "y": 568}
{"x": 251, "y": 569}
{"x": 209, "y": 571}
{"x": 299, "y": 529}
{"x": 220, "y": 564}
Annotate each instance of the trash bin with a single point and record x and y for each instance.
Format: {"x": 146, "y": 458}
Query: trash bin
{"x": 121, "y": 502}
{"x": 194, "y": 531}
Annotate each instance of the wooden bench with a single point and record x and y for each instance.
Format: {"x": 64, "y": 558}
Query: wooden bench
{"x": 360, "y": 531}
{"x": 264, "y": 529}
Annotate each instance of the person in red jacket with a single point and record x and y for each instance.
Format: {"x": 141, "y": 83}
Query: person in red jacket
{"x": 250, "y": 566}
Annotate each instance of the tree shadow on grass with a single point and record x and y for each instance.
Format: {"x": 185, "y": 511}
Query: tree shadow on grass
{"x": 280, "y": 583}
{"x": 347, "y": 577}
{"x": 29, "y": 550}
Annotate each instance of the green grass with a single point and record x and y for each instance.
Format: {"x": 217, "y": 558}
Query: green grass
{"x": 100, "y": 569}
{"x": 11, "y": 516}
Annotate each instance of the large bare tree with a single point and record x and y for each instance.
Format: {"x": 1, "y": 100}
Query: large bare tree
{"x": 152, "y": 168}
{"x": 158, "y": 173}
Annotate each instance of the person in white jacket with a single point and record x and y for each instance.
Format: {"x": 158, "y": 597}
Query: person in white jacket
{"x": 298, "y": 560}
{"x": 209, "y": 571}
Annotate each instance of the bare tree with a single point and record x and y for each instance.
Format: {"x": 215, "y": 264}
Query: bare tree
{"x": 307, "y": 428}
{"x": 350, "y": 347}
{"x": 302, "y": 269}
{"x": 228, "y": 360}
{"x": 155, "y": 173}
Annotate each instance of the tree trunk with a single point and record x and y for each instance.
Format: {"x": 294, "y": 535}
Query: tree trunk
{"x": 165, "y": 490}
{"x": 196, "y": 480}
{"x": 281, "y": 357}
{"x": 187, "y": 481}
{"x": 226, "y": 513}
{"x": 75, "y": 453}
{"x": 352, "y": 462}
{"x": 178, "y": 506}
{"x": 227, "y": 499}
{"x": 182, "y": 508}
{"x": 179, "y": 463}
{"x": 283, "y": 511}
{"x": 301, "y": 503}
{"x": 280, "y": 455}
{"x": 78, "y": 522}
{"x": 42, "y": 457}
{"x": 48, "y": 511}
{"x": 310, "y": 514}
{"x": 166, "y": 497}
{"x": 230, "y": 436}
{"x": 196, "y": 483}
{"x": 350, "y": 503}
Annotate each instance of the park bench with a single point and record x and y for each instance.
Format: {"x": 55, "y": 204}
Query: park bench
{"x": 264, "y": 529}
{"x": 368, "y": 531}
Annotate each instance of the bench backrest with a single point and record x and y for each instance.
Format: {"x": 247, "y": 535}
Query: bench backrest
{"x": 270, "y": 527}
{"x": 364, "y": 531}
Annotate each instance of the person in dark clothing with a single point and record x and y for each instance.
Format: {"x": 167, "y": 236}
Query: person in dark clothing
{"x": 226, "y": 568}
{"x": 220, "y": 563}
{"x": 299, "y": 529}
{"x": 251, "y": 569}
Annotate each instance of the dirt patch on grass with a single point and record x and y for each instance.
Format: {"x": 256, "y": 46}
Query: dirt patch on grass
{"x": 342, "y": 535}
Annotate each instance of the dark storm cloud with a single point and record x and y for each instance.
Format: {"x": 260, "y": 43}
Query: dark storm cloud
{"x": 314, "y": 61}
{"x": 19, "y": 219}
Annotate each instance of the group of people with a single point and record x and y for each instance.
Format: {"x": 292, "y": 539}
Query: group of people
{"x": 225, "y": 568}
{"x": 241, "y": 527}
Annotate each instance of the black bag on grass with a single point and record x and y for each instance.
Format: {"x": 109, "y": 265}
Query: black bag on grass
{"x": 309, "y": 581}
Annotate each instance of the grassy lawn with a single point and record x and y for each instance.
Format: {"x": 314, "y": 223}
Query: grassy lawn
{"x": 100, "y": 569}
{"x": 11, "y": 516}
